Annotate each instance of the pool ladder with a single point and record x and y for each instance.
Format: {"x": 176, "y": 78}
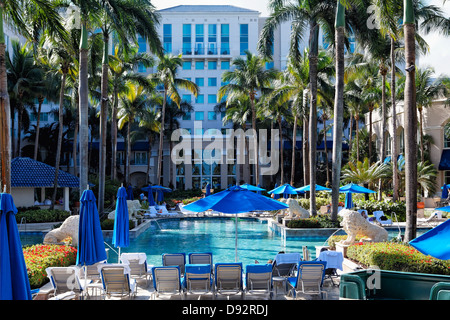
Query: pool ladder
{"x": 23, "y": 224}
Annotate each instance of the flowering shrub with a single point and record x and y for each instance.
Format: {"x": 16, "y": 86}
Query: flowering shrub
{"x": 396, "y": 257}
{"x": 40, "y": 257}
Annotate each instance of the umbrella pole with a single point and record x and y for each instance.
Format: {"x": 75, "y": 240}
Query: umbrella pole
{"x": 236, "y": 239}
{"x": 118, "y": 257}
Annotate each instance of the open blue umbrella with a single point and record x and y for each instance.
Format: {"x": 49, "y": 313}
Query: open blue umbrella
{"x": 208, "y": 190}
{"x": 351, "y": 188}
{"x": 445, "y": 191}
{"x": 159, "y": 196}
{"x": 436, "y": 241}
{"x": 259, "y": 191}
{"x": 252, "y": 188}
{"x": 275, "y": 195}
{"x": 14, "y": 283}
{"x": 129, "y": 193}
{"x": 308, "y": 188}
{"x": 235, "y": 200}
{"x": 121, "y": 238}
{"x": 285, "y": 189}
{"x": 91, "y": 248}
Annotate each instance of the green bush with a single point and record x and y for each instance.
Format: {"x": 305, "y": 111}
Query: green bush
{"x": 388, "y": 208}
{"x": 397, "y": 257}
{"x": 42, "y": 215}
{"x": 314, "y": 222}
{"x": 108, "y": 224}
{"x": 320, "y": 201}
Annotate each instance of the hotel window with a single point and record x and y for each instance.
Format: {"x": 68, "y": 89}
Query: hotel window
{"x": 199, "y": 39}
{"x": 212, "y": 115}
{"x": 187, "y": 116}
{"x": 212, "y": 98}
{"x": 187, "y": 65}
{"x": 447, "y": 135}
{"x": 200, "y": 82}
{"x": 199, "y": 65}
{"x": 212, "y": 39}
{"x": 447, "y": 177}
{"x": 200, "y": 99}
{"x": 199, "y": 115}
{"x": 243, "y": 38}
{"x": 187, "y": 39}
{"x": 140, "y": 158}
{"x": 225, "y": 38}
{"x": 142, "y": 44}
{"x": 225, "y": 65}
{"x": 187, "y": 98}
{"x": 212, "y": 82}
{"x": 212, "y": 65}
{"x": 43, "y": 116}
{"x": 167, "y": 38}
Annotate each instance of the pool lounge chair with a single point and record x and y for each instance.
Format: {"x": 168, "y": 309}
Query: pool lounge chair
{"x": 65, "y": 279}
{"x": 138, "y": 265}
{"x": 258, "y": 278}
{"x": 201, "y": 258}
{"x": 151, "y": 212}
{"x": 285, "y": 264}
{"x": 174, "y": 259}
{"x": 432, "y": 218}
{"x": 116, "y": 280}
{"x": 309, "y": 278}
{"x": 379, "y": 217}
{"x": 228, "y": 278}
{"x": 167, "y": 280}
{"x": 334, "y": 261}
{"x": 92, "y": 272}
{"x": 198, "y": 279}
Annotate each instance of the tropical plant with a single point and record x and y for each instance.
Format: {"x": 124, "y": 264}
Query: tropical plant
{"x": 364, "y": 172}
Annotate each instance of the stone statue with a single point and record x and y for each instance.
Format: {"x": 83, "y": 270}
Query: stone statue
{"x": 69, "y": 228}
{"x": 354, "y": 224}
{"x": 296, "y": 210}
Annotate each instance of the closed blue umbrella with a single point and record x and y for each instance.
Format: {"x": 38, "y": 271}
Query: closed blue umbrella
{"x": 129, "y": 193}
{"x": 208, "y": 190}
{"x": 348, "y": 201}
{"x": 159, "y": 196}
{"x": 444, "y": 191}
{"x": 436, "y": 241}
{"x": 151, "y": 199}
{"x": 91, "y": 248}
{"x": 235, "y": 200}
{"x": 14, "y": 283}
{"x": 121, "y": 231}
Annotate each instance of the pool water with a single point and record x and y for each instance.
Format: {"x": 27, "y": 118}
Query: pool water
{"x": 255, "y": 240}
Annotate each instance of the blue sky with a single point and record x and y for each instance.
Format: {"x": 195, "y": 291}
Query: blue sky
{"x": 438, "y": 57}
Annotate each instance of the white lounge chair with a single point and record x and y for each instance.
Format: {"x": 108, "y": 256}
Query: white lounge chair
{"x": 258, "y": 278}
{"x": 378, "y": 216}
{"x": 65, "y": 279}
{"x": 167, "y": 280}
{"x": 138, "y": 265}
{"x": 309, "y": 278}
{"x": 435, "y": 215}
{"x": 228, "y": 278}
{"x": 116, "y": 280}
{"x": 151, "y": 212}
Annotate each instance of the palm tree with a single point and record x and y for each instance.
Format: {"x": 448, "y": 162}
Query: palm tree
{"x": 364, "y": 172}
{"x": 42, "y": 13}
{"x": 248, "y": 78}
{"x": 166, "y": 76}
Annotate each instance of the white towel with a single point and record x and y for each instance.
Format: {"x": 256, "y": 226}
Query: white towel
{"x": 126, "y": 257}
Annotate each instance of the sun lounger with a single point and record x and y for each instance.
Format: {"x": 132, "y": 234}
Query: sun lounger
{"x": 285, "y": 264}
{"x": 228, "y": 278}
{"x": 116, "y": 280}
{"x": 92, "y": 272}
{"x": 151, "y": 212}
{"x": 138, "y": 265}
{"x": 201, "y": 258}
{"x": 309, "y": 278}
{"x": 167, "y": 280}
{"x": 433, "y": 217}
{"x": 258, "y": 278}
{"x": 69, "y": 295}
{"x": 381, "y": 218}
{"x": 198, "y": 278}
{"x": 174, "y": 259}
{"x": 65, "y": 279}
{"x": 334, "y": 261}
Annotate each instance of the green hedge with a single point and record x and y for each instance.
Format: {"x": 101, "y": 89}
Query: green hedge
{"x": 42, "y": 215}
{"x": 314, "y": 222}
{"x": 320, "y": 201}
{"x": 388, "y": 208}
{"x": 397, "y": 257}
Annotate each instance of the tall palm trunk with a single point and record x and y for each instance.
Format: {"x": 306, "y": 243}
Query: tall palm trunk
{"x": 314, "y": 49}
{"x": 75, "y": 137}
{"x": 60, "y": 134}
{"x": 395, "y": 180}
{"x": 350, "y": 138}
{"x": 281, "y": 150}
{"x": 255, "y": 140}
{"x": 114, "y": 136}
{"x": 410, "y": 124}
{"x": 324, "y": 119}
{"x": 338, "y": 110}
{"x": 83, "y": 110}
{"x": 5, "y": 115}
{"x": 422, "y": 157}
{"x": 103, "y": 125}
{"x": 294, "y": 144}
{"x": 161, "y": 139}
{"x": 370, "y": 131}
{"x": 128, "y": 176}
{"x": 357, "y": 138}
{"x": 305, "y": 147}
{"x": 383, "y": 71}
{"x": 38, "y": 121}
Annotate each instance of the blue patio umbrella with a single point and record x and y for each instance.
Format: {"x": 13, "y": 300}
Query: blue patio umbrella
{"x": 436, "y": 241}
{"x": 308, "y": 188}
{"x": 444, "y": 191}
{"x": 285, "y": 189}
{"x": 235, "y": 200}
{"x": 351, "y": 188}
{"x": 259, "y": 191}
{"x": 159, "y": 196}
{"x": 14, "y": 283}
{"x": 91, "y": 248}
{"x": 252, "y": 188}
{"x": 150, "y": 198}
{"x": 121, "y": 231}
{"x": 129, "y": 193}
{"x": 276, "y": 196}
{"x": 208, "y": 190}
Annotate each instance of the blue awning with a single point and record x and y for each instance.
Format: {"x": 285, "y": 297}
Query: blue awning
{"x": 444, "y": 164}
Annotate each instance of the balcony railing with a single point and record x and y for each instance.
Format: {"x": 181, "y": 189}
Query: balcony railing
{"x": 205, "y": 50}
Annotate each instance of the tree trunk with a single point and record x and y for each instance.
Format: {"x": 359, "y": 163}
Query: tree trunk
{"x": 305, "y": 150}
{"x": 83, "y": 110}
{"x": 422, "y": 156}
{"x": 294, "y": 144}
{"x": 128, "y": 176}
{"x": 357, "y": 139}
{"x": 281, "y": 151}
{"x": 383, "y": 150}
{"x": 314, "y": 33}
{"x": 114, "y": 136}
{"x": 370, "y": 133}
{"x": 410, "y": 126}
{"x": 38, "y": 121}
{"x": 255, "y": 141}
{"x": 60, "y": 135}
{"x": 326, "y": 149}
{"x": 350, "y": 136}
{"x": 161, "y": 139}
{"x": 395, "y": 182}
{"x": 338, "y": 112}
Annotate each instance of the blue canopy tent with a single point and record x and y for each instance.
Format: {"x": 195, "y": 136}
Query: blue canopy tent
{"x": 14, "y": 283}
{"x": 285, "y": 189}
{"x": 121, "y": 238}
{"x": 91, "y": 247}
{"x": 351, "y": 188}
{"x": 129, "y": 193}
{"x": 208, "y": 190}
{"x": 435, "y": 242}
{"x": 235, "y": 200}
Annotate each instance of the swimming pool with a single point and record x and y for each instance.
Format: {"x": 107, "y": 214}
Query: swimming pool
{"x": 255, "y": 240}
